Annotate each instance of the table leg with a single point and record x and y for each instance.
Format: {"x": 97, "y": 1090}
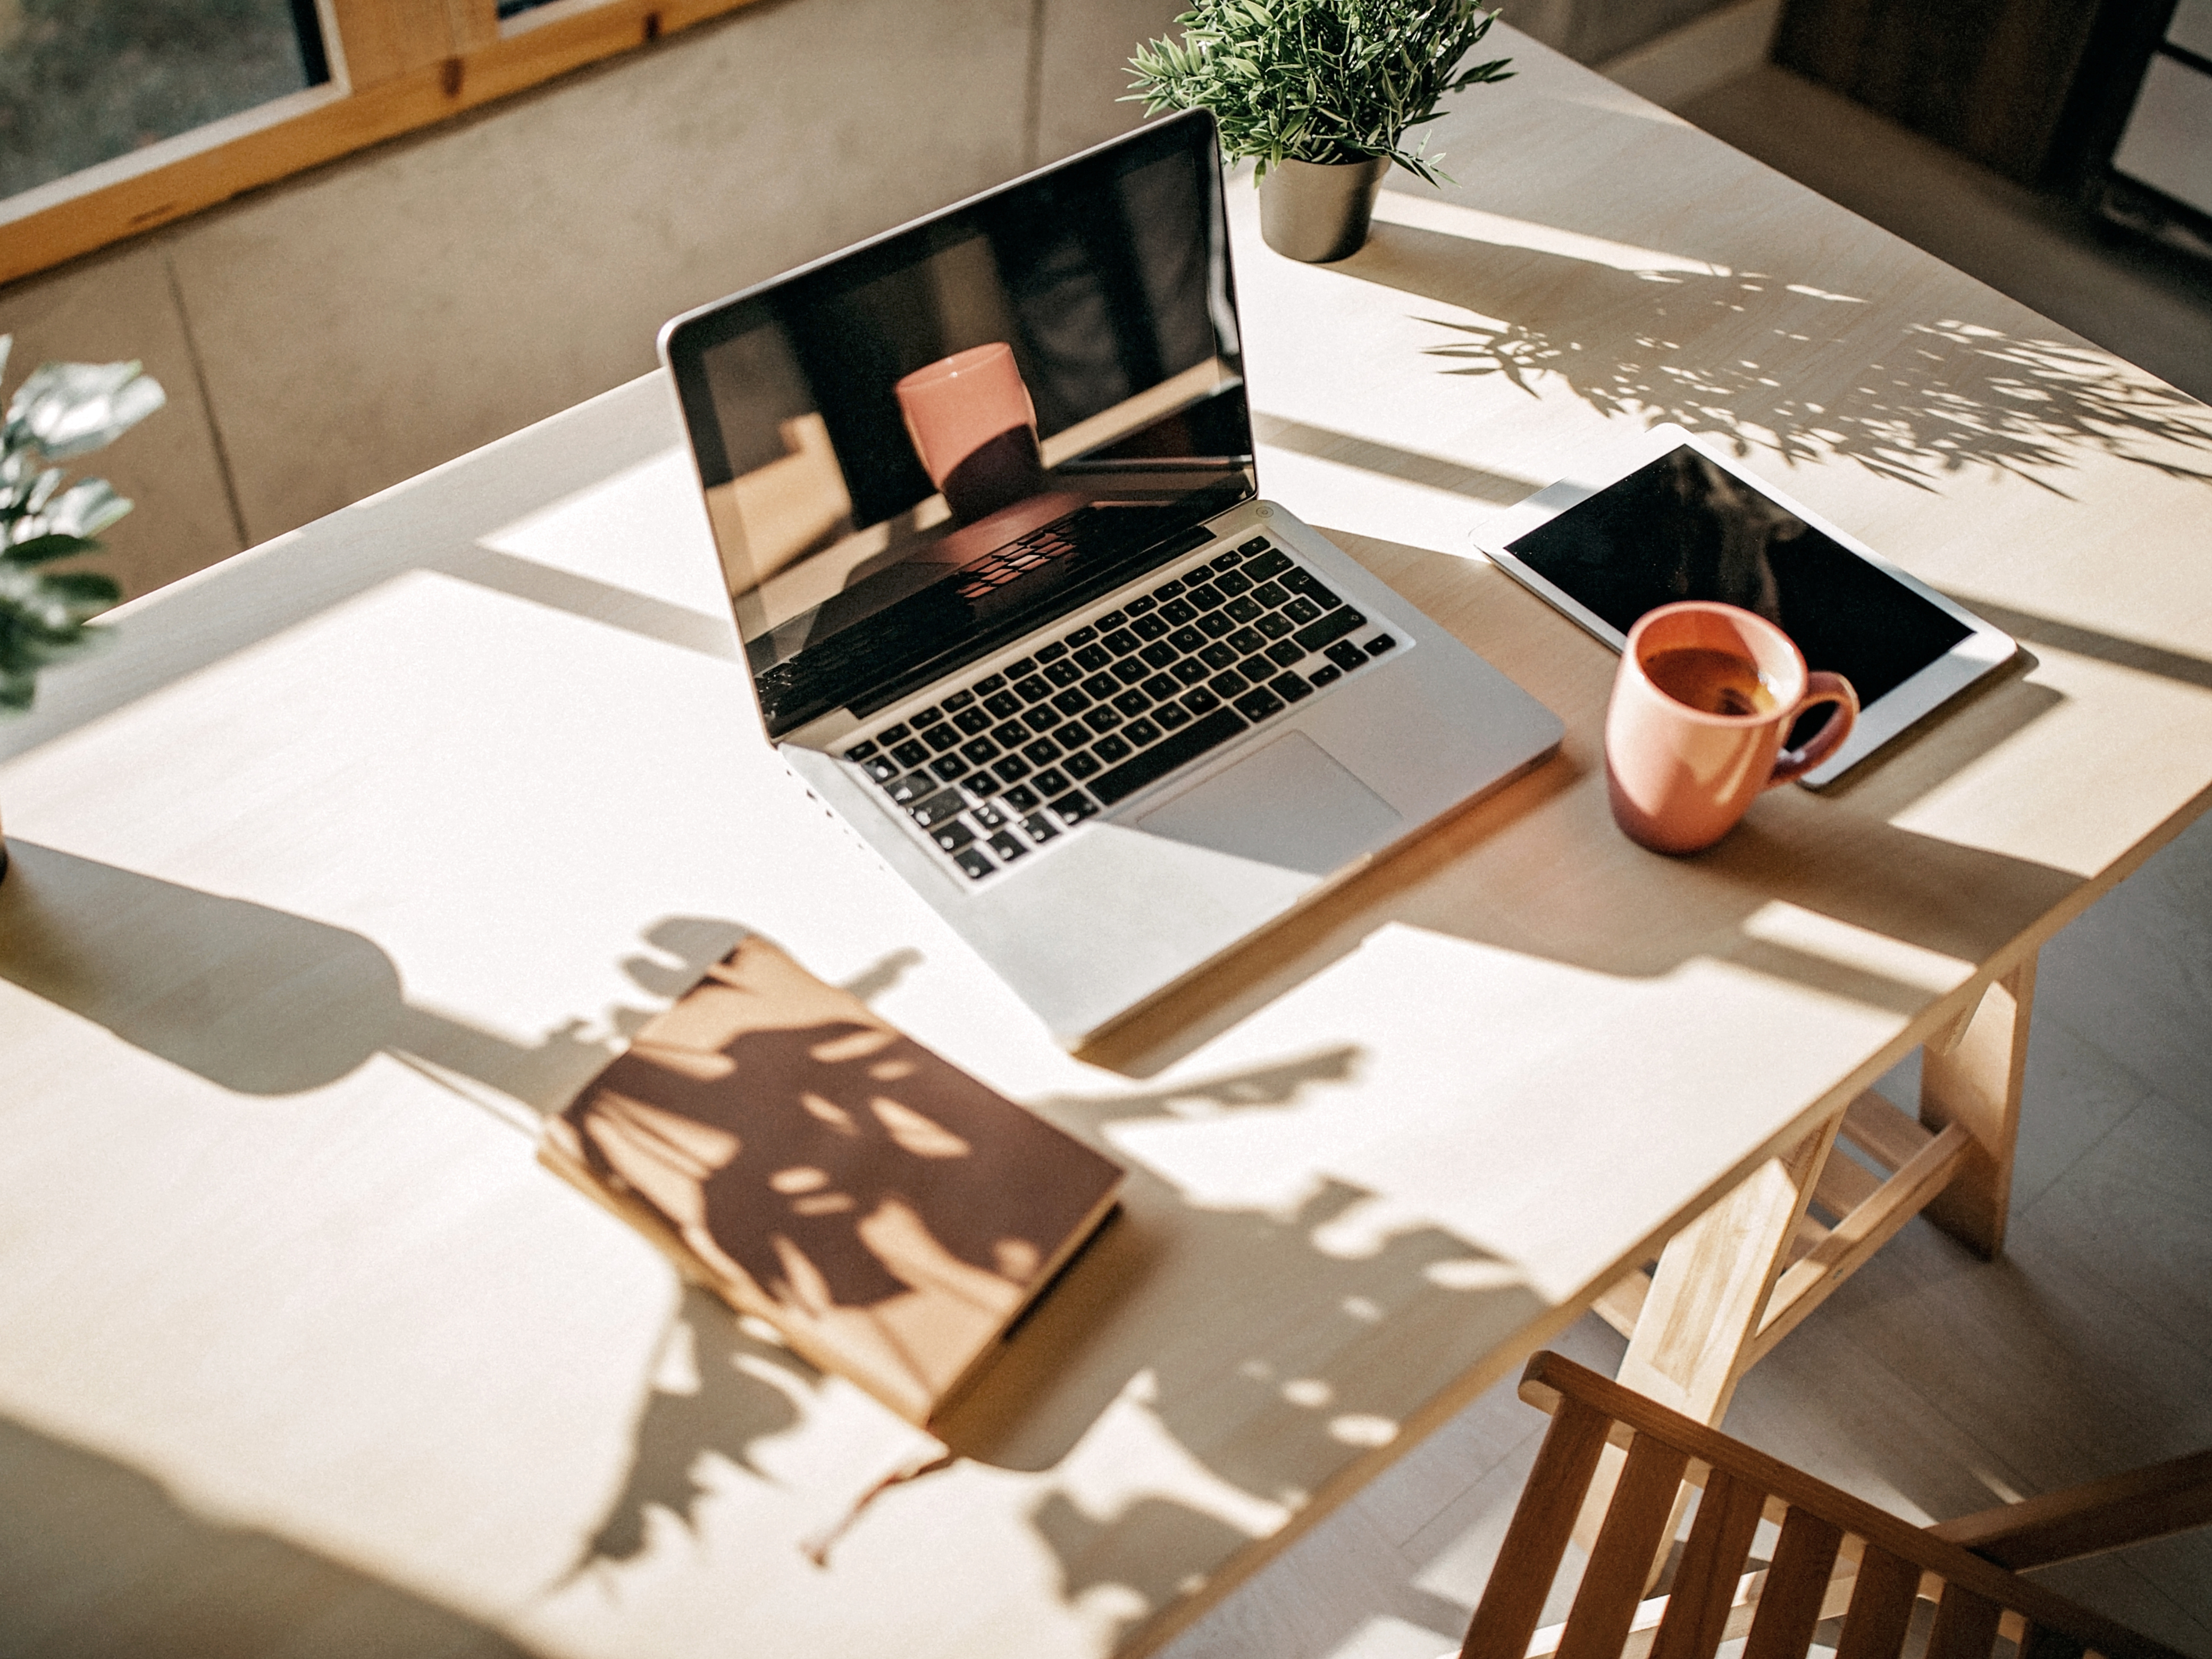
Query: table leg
{"x": 1707, "y": 1297}
{"x": 1976, "y": 1083}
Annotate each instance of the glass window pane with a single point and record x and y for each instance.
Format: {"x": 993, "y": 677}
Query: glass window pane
{"x": 84, "y": 80}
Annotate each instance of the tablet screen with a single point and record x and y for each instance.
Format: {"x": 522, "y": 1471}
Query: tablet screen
{"x": 1686, "y": 528}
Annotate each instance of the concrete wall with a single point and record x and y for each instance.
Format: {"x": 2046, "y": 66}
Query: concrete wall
{"x": 336, "y": 333}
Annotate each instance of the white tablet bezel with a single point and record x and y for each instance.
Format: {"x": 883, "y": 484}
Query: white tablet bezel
{"x": 1985, "y": 648}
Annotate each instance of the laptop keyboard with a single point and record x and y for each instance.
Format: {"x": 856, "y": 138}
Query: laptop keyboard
{"x": 1016, "y": 758}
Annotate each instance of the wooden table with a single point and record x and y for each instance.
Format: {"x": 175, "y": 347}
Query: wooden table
{"x": 359, "y": 853}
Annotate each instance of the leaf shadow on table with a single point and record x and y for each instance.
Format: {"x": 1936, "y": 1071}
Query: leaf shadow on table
{"x": 1941, "y": 396}
{"x": 97, "y": 1557}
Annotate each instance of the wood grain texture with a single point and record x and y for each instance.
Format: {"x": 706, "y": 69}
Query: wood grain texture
{"x": 1536, "y": 1541}
{"x": 1976, "y": 1085}
{"x": 2133, "y": 1508}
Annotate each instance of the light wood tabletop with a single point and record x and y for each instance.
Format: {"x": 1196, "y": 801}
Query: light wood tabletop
{"x": 355, "y": 855}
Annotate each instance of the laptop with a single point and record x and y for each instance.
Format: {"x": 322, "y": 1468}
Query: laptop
{"x": 984, "y": 494}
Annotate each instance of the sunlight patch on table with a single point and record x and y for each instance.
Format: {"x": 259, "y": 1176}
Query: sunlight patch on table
{"x": 1433, "y": 213}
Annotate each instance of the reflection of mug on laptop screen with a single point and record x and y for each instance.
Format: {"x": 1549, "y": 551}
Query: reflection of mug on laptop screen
{"x": 974, "y": 429}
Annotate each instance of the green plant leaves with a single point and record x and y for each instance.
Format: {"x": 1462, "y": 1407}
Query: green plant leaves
{"x": 1316, "y": 79}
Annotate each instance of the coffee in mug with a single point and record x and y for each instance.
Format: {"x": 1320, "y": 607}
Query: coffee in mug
{"x": 1704, "y": 700}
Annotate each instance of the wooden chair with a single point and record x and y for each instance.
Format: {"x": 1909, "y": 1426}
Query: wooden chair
{"x": 1836, "y": 1556}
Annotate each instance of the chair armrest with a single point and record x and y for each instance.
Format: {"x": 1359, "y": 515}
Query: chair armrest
{"x": 2152, "y": 1502}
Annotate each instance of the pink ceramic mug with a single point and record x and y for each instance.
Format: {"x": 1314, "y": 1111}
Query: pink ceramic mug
{"x": 974, "y": 429}
{"x": 1705, "y": 696}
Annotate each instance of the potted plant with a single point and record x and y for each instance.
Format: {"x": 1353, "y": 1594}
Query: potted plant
{"x": 1320, "y": 94}
{"x": 61, "y": 411}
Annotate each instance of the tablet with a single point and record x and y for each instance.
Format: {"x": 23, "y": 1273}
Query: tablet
{"x": 1676, "y": 518}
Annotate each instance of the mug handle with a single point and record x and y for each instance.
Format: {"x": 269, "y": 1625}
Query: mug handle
{"x": 1794, "y": 764}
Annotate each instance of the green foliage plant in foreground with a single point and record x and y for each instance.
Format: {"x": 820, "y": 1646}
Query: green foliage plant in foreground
{"x": 1325, "y": 81}
{"x": 61, "y": 411}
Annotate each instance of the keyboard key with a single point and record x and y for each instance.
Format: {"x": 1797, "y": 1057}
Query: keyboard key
{"x": 1171, "y": 716}
{"x": 892, "y": 733}
{"x": 1071, "y": 702}
{"x": 975, "y": 861}
{"x": 1309, "y": 585}
{"x": 1177, "y": 612}
{"x": 1148, "y": 627}
{"x": 1273, "y": 562}
{"x": 1245, "y": 640}
{"x": 1038, "y": 828}
{"x": 928, "y": 717}
{"x": 1273, "y": 625}
{"x": 1130, "y": 670}
{"x": 988, "y": 683}
{"x": 1270, "y": 594}
{"x": 1079, "y": 636}
{"x": 1257, "y": 544}
{"x": 952, "y": 837}
{"x": 1190, "y": 670}
{"x": 940, "y": 808}
{"x": 941, "y": 736}
{"x": 948, "y": 767}
{"x": 1156, "y": 762}
{"x": 1201, "y": 701}
{"x": 911, "y": 753}
{"x": 1302, "y": 609}
{"x": 1081, "y": 766}
{"x": 1101, "y": 686}
{"x": 1228, "y": 686}
{"x": 1094, "y": 657}
{"x": 1137, "y": 607}
{"x": 1111, "y": 619}
{"x": 1052, "y": 652}
{"x": 1014, "y": 671}
{"x": 990, "y": 816}
{"x": 1206, "y": 596}
{"x": 1101, "y": 719}
{"x": 1121, "y": 642}
{"x": 1021, "y": 799}
{"x": 1345, "y": 655}
{"x": 1011, "y": 768}
{"x": 1044, "y": 717}
{"x": 1246, "y": 610}
{"x": 972, "y": 721}
{"x": 1158, "y": 654}
{"x": 1161, "y": 687}
{"x": 1132, "y": 702}
{"x": 1005, "y": 705}
{"x": 1289, "y": 688}
{"x": 1044, "y": 750}
{"x": 1334, "y": 626}
{"x": 1140, "y": 733}
{"x": 1006, "y": 846}
{"x": 1258, "y": 704}
{"x": 1185, "y": 639}
{"x": 1228, "y": 561}
{"x": 1032, "y": 689}
{"x": 1285, "y": 653}
{"x": 1379, "y": 644}
{"x": 1050, "y": 781}
{"x": 1327, "y": 676}
{"x": 1074, "y": 806}
{"x": 1214, "y": 624}
{"x": 882, "y": 768}
{"x": 1064, "y": 673}
{"x": 1167, "y": 591}
{"x": 1235, "y": 583}
{"x": 958, "y": 700}
{"x": 980, "y": 749}
{"x": 859, "y": 751}
{"x": 1012, "y": 735}
{"x": 914, "y": 787}
{"x": 1218, "y": 656}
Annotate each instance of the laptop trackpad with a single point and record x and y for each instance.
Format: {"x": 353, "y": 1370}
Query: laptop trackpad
{"x": 1289, "y": 805}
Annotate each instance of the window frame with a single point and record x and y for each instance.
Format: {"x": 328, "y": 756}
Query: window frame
{"x": 396, "y": 67}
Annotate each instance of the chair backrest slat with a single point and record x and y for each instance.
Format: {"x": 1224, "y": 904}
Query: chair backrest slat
{"x": 1529, "y": 1560}
{"x": 1712, "y": 1561}
{"x": 1795, "y": 1582}
{"x": 1881, "y": 1606}
{"x": 1966, "y": 1626}
{"x": 1627, "y": 1545}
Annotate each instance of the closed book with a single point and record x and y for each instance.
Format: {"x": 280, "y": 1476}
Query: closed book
{"x": 888, "y": 1213}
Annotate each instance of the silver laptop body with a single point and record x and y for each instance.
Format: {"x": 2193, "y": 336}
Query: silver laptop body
{"x": 1105, "y": 709}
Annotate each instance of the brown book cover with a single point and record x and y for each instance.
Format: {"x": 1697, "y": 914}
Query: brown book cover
{"x": 884, "y": 1211}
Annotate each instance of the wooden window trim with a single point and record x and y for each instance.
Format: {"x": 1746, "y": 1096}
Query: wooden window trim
{"x": 397, "y": 66}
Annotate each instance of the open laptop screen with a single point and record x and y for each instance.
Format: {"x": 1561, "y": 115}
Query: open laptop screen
{"x": 935, "y": 441}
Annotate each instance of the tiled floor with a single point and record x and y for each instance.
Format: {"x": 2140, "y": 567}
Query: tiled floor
{"x": 1932, "y": 1383}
